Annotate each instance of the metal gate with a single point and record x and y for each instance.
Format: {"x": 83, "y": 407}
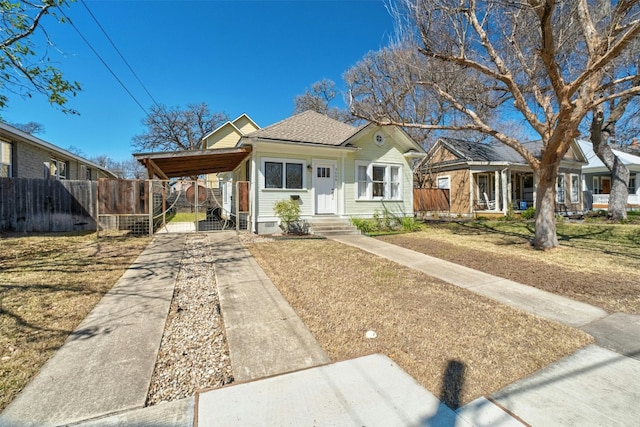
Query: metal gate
{"x": 148, "y": 206}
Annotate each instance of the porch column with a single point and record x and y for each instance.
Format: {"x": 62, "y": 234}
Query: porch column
{"x": 342, "y": 200}
{"x": 506, "y": 190}
{"x": 253, "y": 196}
{"x": 496, "y": 185}
{"x": 471, "y": 193}
{"x": 535, "y": 189}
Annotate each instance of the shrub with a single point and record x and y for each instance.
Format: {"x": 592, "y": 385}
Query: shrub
{"x": 409, "y": 224}
{"x": 385, "y": 220}
{"x": 528, "y": 213}
{"x": 364, "y": 225}
{"x": 510, "y": 216}
{"x": 289, "y": 213}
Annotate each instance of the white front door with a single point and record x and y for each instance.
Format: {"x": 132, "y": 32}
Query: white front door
{"x": 324, "y": 185}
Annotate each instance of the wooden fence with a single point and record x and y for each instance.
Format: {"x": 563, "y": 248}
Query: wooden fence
{"x": 430, "y": 200}
{"x": 47, "y": 205}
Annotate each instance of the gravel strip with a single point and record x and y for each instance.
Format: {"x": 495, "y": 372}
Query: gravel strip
{"x": 193, "y": 353}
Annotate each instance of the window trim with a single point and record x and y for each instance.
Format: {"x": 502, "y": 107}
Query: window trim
{"x": 577, "y": 188}
{"x": 283, "y": 162}
{"x": 57, "y": 163}
{"x": 443, "y": 177}
{"x": 561, "y": 190}
{"x": 387, "y": 183}
{"x": 8, "y": 162}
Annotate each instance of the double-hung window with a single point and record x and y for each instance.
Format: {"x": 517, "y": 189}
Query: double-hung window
{"x": 378, "y": 181}
{"x": 5, "y": 159}
{"x": 58, "y": 169}
{"x": 283, "y": 174}
{"x": 575, "y": 188}
{"x": 560, "y": 192}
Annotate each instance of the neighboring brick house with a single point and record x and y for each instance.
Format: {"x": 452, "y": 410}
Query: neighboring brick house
{"x": 25, "y": 156}
{"x": 488, "y": 178}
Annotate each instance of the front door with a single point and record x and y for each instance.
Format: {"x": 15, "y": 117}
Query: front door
{"x": 324, "y": 184}
{"x": 606, "y": 185}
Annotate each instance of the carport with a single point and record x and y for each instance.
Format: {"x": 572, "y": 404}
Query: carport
{"x": 174, "y": 197}
{"x": 183, "y": 164}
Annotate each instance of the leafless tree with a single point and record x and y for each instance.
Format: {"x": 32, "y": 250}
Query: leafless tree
{"x": 319, "y": 99}
{"x": 615, "y": 120}
{"x": 544, "y": 61}
{"x": 175, "y": 129}
{"x": 31, "y": 128}
{"x": 124, "y": 169}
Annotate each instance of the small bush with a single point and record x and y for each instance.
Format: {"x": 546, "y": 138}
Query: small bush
{"x": 364, "y": 225}
{"x": 289, "y": 213}
{"x": 510, "y": 216}
{"x": 385, "y": 220}
{"x": 409, "y": 224}
{"x": 528, "y": 213}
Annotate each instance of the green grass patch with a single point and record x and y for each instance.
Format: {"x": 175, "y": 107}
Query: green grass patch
{"x": 187, "y": 217}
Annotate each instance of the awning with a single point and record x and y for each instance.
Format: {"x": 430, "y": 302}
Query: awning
{"x": 178, "y": 164}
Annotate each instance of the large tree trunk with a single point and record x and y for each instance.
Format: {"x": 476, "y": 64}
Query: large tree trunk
{"x": 619, "y": 172}
{"x": 620, "y": 182}
{"x": 545, "y": 233}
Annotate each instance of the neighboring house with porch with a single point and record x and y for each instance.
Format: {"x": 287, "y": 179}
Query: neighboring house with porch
{"x": 25, "y": 156}
{"x": 333, "y": 170}
{"x": 597, "y": 179}
{"x": 492, "y": 179}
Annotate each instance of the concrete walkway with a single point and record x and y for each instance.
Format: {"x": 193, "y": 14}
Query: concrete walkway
{"x": 598, "y": 385}
{"x": 102, "y": 373}
{"x": 105, "y": 366}
{"x": 264, "y": 334}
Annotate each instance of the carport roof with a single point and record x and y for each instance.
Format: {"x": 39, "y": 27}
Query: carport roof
{"x": 178, "y": 164}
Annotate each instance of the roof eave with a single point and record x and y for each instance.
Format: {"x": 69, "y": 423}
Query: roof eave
{"x": 254, "y": 141}
{"x": 30, "y": 139}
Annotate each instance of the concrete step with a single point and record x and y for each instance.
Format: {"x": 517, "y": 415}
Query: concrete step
{"x": 332, "y": 226}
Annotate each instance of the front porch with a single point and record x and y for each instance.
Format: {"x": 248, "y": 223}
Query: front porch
{"x": 493, "y": 193}
{"x": 601, "y": 201}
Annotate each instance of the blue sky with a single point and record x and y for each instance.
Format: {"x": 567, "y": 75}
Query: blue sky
{"x": 239, "y": 57}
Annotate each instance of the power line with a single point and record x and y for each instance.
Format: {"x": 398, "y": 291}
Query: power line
{"x": 103, "y": 62}
{"x": 118, "y": 50}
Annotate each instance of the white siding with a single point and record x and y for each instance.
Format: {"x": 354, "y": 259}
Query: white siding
{"x": 388, "y": 153}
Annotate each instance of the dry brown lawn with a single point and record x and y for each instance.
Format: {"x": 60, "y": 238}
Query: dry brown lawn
{"x": 605, "y": 278}
{"x": 423, "y": 324}
{"x": 48, "y": 284}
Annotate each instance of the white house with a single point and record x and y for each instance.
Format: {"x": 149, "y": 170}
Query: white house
{"x": 597, "y": 178}
{"x": 333, "y": 170}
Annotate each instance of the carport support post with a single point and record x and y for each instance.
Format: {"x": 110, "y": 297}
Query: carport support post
{"x": 150, "y": 198}
{"x": 164, "y": 203}
{"x": 98, "y": 208}
{"x": 196, "y": 198}
{"x": 237, "y": 203}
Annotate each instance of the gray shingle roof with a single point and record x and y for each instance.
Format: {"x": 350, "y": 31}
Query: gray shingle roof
{"x": 307, "y": 127}
{"x": 482, "y": 152}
